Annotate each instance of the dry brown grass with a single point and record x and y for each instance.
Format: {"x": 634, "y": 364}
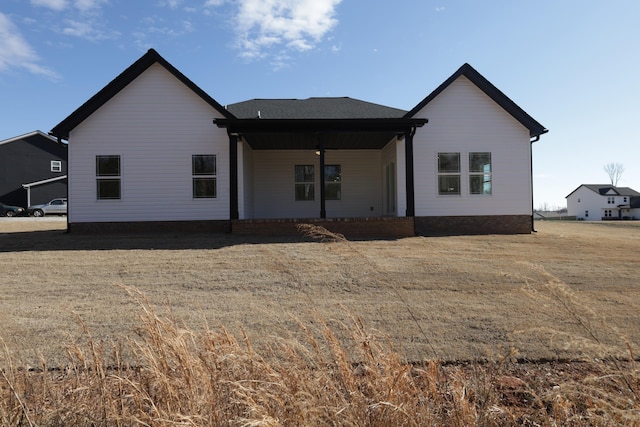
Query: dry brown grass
{"x": 210, "y": 377}
{"x": 451, "y": 298}
{"x": 336, "y": 333}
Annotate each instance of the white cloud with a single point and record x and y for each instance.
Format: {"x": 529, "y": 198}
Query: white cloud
{"x": 15, "y": 51}
{"x": 294, "y": 24}
{"x": 51, "y": 4}
{"x": 85, "y": 5}
{"x": 89, "y": 30}
{"x": 214, "y": 3}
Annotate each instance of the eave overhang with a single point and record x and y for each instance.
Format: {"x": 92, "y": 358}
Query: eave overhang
{"x": 292, "y": 134}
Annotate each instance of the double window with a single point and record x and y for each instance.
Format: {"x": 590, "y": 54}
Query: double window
{"x": 304, "y": 185}
{"x": 480, "y": 173}
{"x": 450, "y": 173}
{"x": 611, "y": 200}
{"x": 332, "y": 182}
{"x": 108, "y": 177}
{"x": 203, "y": 170}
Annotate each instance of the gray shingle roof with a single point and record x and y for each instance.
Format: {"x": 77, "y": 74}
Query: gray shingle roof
{"x": 603, "y": 189}
{"x": 313, "y": 108}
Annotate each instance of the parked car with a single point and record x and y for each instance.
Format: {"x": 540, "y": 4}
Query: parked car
{"x": 54, "y": 207}
{"x": 6, "y": 210}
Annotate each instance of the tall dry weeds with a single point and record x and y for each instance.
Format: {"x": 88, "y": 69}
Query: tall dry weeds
{"x": 176, "y": 375}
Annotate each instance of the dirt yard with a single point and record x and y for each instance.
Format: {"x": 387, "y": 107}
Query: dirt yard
{"x": 569, "y": 291}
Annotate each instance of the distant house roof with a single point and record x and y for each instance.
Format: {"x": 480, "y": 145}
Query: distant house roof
{"x": 605, "y": 189}
{"x": 313, "y": 108}
{"x": 116, "y": 85}
{"x": 535, "y": 128}
{"x": 27, "y": 136}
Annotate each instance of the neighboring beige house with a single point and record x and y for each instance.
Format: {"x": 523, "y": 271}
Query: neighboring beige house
{"x": 598, "y": 202}
{"x": 152, "y": 150}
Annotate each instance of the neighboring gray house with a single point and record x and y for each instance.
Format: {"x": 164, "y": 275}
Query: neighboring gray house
{"x": 33, "y": 169}
{"x": 152, "y": 150}
{"x": 597, "y": 202}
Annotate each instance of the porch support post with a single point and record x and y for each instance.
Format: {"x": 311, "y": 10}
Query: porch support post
{"x": 408, "y": 156}
{"x": 233, "y": 177}
{"x": 323, "y": 208}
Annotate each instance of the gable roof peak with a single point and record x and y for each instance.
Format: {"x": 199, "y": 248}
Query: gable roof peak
{"x": 62, "y": 129}
{"x": 466, "y": 70}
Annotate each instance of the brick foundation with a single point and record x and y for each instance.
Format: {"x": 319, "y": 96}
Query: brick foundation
{"x": 350, "y": 227}
{"x": 487, "y": 224}
{"x": 150, "y": 227}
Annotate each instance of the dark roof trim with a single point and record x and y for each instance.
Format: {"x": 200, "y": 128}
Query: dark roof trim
{"x": 63, "y": 129}
{"x": 283, "y": 126}
{"x": 535, "y": 128}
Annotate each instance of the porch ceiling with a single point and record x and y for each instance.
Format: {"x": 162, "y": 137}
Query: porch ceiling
{"x": 308, "y": 134}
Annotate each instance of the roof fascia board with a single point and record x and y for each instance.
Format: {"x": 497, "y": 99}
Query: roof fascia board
{"x": 535, "y": 128}
{"x": 44, "y": 181}
{"x": 63, "y": 129}
{"x": 28, "y": 135}
{"x": 318, "y": 125}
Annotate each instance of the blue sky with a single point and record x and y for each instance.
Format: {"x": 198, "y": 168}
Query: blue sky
{"x": 570, "y": 64}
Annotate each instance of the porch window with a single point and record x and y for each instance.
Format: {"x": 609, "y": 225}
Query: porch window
{"x": 449, "y": 174}
{"x": 304, "y": 182}
{"x": 203, "y": 169}
{"x": 333, "y": 182}
{"x": 108, "y": 177}
{"x": 480, "y": 173}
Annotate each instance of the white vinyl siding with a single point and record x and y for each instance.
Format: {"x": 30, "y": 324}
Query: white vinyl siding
{"x": 155, "y": 124}
{"x": 463, "y": 119}
{"x": 274, "y": 184}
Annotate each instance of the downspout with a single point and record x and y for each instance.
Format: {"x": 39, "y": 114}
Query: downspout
{"x": 537, "y": 138}
{"x": 68, "y": 180}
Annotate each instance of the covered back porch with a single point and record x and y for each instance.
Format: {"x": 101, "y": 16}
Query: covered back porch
{"x": 351, "y": 176}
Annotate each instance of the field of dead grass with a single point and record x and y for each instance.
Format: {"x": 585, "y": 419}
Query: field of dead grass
{"x": 570, "y": 291}
{"x": 219, "y": 330}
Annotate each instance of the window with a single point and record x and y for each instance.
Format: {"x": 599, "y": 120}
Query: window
{"x": 332, "y": 182}
{"x": 304, "y": 183}
{"x": 203, "y": 169}
{"x": 607, "y": 213}
{"x": 480, "y": 173}
{"x": 624, "y": 200}
{"x": 108, "y": 177}
{"x": 611, "y": 200}
{"x": 586, "y": 214}
{"x": 56, "y": 166}
{"x": 449, "y": 173}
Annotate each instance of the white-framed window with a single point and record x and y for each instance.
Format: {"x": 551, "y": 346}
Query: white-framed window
{"x": 333, "y": 182}
{"x": 304, "y": 183}
{"x": 108, "y": 177}
{"x": 480, "y": 173}
{"x": 611, "y": 200}
{"x": 204, "y": 176}
{"x": 608, "y": 213}
{"x": 56, "y": 166}
{"x": 449, "y": 174}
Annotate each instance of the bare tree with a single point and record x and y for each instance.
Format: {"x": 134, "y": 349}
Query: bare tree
{"x": 614, "y": 170}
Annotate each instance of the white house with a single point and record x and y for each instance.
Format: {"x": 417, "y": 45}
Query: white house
{"x": 152, "y": 150}
{"x": 597, "y": 202}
